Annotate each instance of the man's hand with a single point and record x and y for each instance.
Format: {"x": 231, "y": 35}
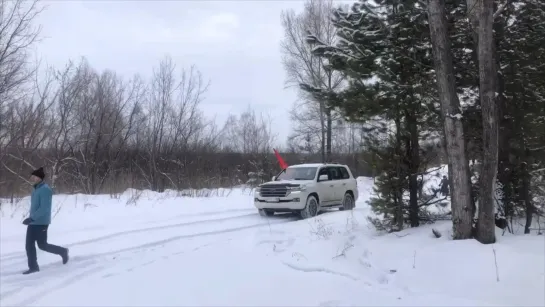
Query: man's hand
{"x": 27, "y": 221}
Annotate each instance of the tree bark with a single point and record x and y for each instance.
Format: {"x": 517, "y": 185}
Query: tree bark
{"x": 328, "y": 134}
{"x": 505, "y": 129}
{"x": 452, "y": 124}
{"x": 473, "y": 8}
{"x": 323, "y": 132}
{"x": 398, "y": 191}
{"x": 413, "y": 156}
{"x": 487, "y": 76}
{"x": 526, "y": 195}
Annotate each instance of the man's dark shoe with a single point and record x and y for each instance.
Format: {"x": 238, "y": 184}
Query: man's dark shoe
{"x": 65, "y": 256}
{"x": 30, "y": 271}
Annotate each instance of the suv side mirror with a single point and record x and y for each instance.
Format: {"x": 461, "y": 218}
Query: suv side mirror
{"x": 323, "y": 178}
{"x": 273, "y": 178}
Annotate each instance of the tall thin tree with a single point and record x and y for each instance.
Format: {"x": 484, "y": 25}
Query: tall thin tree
{"x": 487, "y": 77}
{"x": 304, "y": 68}
{"x": 462, "y": 216}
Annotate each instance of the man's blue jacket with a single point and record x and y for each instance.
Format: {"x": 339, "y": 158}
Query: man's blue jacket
{"x": 40, "y": 204}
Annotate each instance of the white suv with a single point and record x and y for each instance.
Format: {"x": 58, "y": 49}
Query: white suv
{"x": 306, "y": 189}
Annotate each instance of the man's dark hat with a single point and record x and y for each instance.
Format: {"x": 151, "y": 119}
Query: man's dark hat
{"x": 39, "y": 173}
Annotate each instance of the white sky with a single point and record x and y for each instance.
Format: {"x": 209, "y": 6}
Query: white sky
{"x": 235, "y": 44}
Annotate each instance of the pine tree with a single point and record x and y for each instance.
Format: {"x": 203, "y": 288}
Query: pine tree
{"x": 520, "y": 36}
{"x": 389, "y": 42}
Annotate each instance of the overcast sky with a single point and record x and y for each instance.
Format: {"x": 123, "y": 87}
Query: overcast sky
{"x": 235, "y": 44}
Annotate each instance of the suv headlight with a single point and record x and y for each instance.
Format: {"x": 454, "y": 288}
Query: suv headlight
{"x": 257, "y": 189}
{"x": 297, "y": 189}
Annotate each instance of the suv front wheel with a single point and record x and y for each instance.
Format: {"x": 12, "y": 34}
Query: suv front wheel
{"x": 265, "y": 212}
{"x": 311, "y": 208}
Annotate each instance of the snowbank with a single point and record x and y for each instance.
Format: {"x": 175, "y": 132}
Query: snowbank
{"x": 412, "y": 267}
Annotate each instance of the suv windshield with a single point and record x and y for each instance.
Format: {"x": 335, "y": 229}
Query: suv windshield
{"x": 298, "y": 173}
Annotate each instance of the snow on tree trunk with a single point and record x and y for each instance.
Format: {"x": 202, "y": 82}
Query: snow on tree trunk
{"x": 452, "y": 124}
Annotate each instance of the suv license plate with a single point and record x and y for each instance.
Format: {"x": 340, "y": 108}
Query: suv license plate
{"x": 273, "y": 200}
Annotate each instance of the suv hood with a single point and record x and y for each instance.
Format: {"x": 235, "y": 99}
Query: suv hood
{"x": 288, "y": 182}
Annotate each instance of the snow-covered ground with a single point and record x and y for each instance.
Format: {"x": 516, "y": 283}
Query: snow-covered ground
{"x": 149, "y": 249}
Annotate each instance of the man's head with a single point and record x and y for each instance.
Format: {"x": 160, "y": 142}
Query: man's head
{"x": 37, "y": 176}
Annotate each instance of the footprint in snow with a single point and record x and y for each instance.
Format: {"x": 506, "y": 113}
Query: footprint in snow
{"x": 364, "y": 263}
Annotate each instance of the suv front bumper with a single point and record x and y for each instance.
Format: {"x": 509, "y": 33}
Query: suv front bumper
{"x": 295, "y": 201}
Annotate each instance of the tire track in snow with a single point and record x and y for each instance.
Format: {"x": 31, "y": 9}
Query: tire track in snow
{"x": 22, "y": 259}
{"x": 15, "y": 255}
{"x": 156, "y": 221}
{"x": 161, "y": 227}
{"x": 58, "y": 286}
{"x": 308, "y": 269}
{"x": 17, "y": 283}
{"x": 204, "y": 214}
{"x": 187, "y": 236}
{"x": 92, "y": 265}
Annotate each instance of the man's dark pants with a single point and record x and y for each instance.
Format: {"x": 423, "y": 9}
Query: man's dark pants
{"x": 38, "y": 234}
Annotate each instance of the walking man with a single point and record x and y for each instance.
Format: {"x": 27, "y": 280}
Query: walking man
{"x": 445, "y": 186}
{"x": 38, "y": 222}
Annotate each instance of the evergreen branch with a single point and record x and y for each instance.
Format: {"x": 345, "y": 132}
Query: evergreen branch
{"x": 501, "y": 9}
{"x": 537, "y": 148}
{"x": 428, "y": 203}
{"x": 429, "y": 171}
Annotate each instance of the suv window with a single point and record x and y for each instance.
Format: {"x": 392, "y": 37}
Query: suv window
{"x": 297, "y": 173}
{"x": 334, "y": 173}
{"x": 324, "y": 171}
{"x": 344, "y": 172}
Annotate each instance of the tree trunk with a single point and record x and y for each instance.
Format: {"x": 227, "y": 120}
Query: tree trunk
{"x": 486, "y": 232}
{"x": 399, "y": 216}
{"x": 473, "y": 8}
{"x": 452, "y": 124}
{"x": 525, "y": 189}
{"x": 323, "y": 131}
{"x": 505, "y": 130}
{"x": 414, "y": 165}
{"x": 328, "y": 134}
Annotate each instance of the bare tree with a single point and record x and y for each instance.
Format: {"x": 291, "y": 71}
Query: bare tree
{"x": 308, "y": 130}
{"x": 17, "y": 34}
{"x": 304, "y": 68}
{"x": 72, "y": 82}
{"x": 104, "y": 117}
{"x": 28, "y": 123}
{"x": 174, "y": 120}
{"x": 251, "y": 135}
{"x": 462, "y": 213}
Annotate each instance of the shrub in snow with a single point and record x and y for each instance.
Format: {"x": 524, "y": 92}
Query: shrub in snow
{"x": 391, "y": 200}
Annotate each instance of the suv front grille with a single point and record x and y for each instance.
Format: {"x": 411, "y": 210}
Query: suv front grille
{"x": 274, "y": 191}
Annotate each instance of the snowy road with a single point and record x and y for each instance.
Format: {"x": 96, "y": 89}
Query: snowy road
{"x": 217, "y": 251}
{"x": 214, "y": 259}
{"x": 104, "y": 251}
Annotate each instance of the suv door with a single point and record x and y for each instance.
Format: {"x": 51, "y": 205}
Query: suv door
{"x": 336, "y": 184}
{"x": 345, "y": 181}
{"x": 323, "y": 187}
